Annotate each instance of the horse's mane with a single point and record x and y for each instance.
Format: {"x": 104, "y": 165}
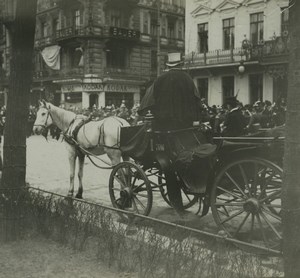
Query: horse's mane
{"x": 61, "y": 117}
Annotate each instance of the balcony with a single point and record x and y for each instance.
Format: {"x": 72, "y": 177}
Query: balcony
{"x": 45, "y": 74}
{"x": 121, "y": 33}
{"x": 127, "y": 72}
{"x": 169, "y": 8}
{"x": 272, "y": 51}
{"x": 214, "y": 57}
{"x": 46, "y": 41}
{"x": 70, "y": 32}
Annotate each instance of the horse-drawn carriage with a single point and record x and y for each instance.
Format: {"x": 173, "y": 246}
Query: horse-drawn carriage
{"x": 239, "y": 178}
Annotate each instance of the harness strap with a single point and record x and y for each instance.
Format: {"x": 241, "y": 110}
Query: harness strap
{"x": 101, "y": 131}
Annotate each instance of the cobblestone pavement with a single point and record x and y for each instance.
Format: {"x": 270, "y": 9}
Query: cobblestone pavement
{"x": 48, "y": 168}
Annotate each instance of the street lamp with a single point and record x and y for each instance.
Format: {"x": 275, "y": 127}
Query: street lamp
{"x": 241, "y": 68}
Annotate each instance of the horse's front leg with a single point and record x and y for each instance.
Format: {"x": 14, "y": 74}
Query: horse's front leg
{"x": 72, "y": 163}
{"x": 80, "y": 175}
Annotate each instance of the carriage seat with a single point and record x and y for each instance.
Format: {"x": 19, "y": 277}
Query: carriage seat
{"x": 134, "y": 140}
{"x": 195, "y": 157}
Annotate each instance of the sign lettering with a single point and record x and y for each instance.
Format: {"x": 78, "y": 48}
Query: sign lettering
{"x": 99, "y": 87}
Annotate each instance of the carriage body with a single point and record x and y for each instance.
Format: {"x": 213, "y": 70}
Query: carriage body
{"x": 239, "y": 178}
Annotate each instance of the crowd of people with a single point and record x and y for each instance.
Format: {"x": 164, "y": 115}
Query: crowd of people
{"x": 236, "y": 119}
{"x": 247, "y": 119}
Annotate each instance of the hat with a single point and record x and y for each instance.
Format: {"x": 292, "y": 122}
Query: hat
{"x": 123, "y": 104}
{"x": 174, "y": 59}
{"x": 231, "y": 100}
{"x": 257, "y": 103}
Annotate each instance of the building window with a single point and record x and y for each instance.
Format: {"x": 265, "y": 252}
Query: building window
{"x": 203, "y": 88}
{"x": 1, "y": 61}
{"x": 77, "y": 18}
{"x": 1, "y": 32}
{"x": 171, "y": 29}
{"x": 75, "y": 56}
{"x": 73, "y": 97}
{"x": 256, "y": 87}
{"x": 153, "y": 60}
{"x": 116, "y": 98}
{"x": 227, "y": 87}
{"x": 115, "y": 18}
{"x": 44, "y": 31}
{"x": 257, "y": 28}
{"x": 55, "y": 25}
{"x": 145, "y": 23}
{"x": 180, "y": 29}
{"x": 284, "y": 20}
{"x": 228, "y": 33}
{"x": 203, "y": 37}
{"x": 116, "y": 57}
{"x": 153, "y": 26}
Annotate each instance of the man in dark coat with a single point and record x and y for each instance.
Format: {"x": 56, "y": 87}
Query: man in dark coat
{"x": 235, "y": 122}
{"x": 173, "y": 98}
{"x": 175, "y": 103}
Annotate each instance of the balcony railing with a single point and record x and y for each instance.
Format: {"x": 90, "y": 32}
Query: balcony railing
{"x": 70, "y": 32}
{"x": 42, "y": 42}
{"x": 275, "y": 50}
{"x": 121, "y": 33}
{"x": 272, "y": 49}
{"x": 127, "y": 71}
{"x": 214, "y": 57}
{"x": 170, "y": 8}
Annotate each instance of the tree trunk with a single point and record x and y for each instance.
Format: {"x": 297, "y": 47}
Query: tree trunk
{"x": 291, "y": 186}
{"x": 21, "y": 31}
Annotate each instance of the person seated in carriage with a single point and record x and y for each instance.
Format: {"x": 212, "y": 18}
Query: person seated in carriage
{"x": 175, "y": 103}
{"x": 235, "y": 122}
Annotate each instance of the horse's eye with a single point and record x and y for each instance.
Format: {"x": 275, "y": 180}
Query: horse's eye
{"x": 43, "y": 114}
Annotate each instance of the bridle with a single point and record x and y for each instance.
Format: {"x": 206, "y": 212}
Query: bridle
{"x": 48, "y": 115}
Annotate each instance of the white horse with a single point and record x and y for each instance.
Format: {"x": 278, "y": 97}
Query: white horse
{"x": 98, "y": 137}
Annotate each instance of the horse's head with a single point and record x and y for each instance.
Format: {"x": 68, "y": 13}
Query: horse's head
{"x": 43, "y": 118}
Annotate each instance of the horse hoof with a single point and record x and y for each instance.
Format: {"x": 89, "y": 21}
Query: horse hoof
{"x": 78, "y": 196}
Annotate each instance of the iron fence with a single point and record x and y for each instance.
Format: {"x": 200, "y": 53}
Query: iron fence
{"x": 128, "y": 242}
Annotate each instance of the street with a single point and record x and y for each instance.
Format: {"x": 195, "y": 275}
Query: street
{"x": 48, "y": 169}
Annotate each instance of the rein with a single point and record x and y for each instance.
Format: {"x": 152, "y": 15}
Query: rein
{"x": 89, "y": 154}
{"x": 48, "y": 115}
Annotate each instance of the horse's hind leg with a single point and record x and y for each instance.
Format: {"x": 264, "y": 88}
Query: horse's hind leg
{"x": 114, "y": 155}
{"x": 80, "y": 175}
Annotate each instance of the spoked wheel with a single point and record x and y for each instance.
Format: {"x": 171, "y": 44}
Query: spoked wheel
{"x": 246, "y": 201}
{"x": 187, "y": 199}
{"x": 130, "y": 189}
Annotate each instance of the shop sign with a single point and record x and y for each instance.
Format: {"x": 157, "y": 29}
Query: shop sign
{"x": 124, "y": 33}
{"x": 99, "y": 87}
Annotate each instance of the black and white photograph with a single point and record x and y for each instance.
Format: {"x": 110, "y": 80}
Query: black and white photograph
{"x": 149, "y": 138}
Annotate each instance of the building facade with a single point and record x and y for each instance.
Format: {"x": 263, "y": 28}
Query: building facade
{"x": 101, "y": 52}
{"x": 238, "y": 47}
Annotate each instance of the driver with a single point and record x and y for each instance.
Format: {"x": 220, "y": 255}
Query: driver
{"x": 175, "y": 103}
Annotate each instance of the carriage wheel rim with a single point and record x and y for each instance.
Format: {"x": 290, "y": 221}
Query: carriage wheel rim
{"x": 130, "y": 193}
{"x": 258, "y": 209}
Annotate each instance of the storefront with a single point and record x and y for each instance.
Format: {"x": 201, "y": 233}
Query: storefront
{"x": 86, "y": 95}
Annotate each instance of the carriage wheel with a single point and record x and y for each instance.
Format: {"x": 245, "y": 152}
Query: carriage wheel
{"x": 187, "y": 199}
{"x": 130, "y": 189}
{"x": 246, "y": 201}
